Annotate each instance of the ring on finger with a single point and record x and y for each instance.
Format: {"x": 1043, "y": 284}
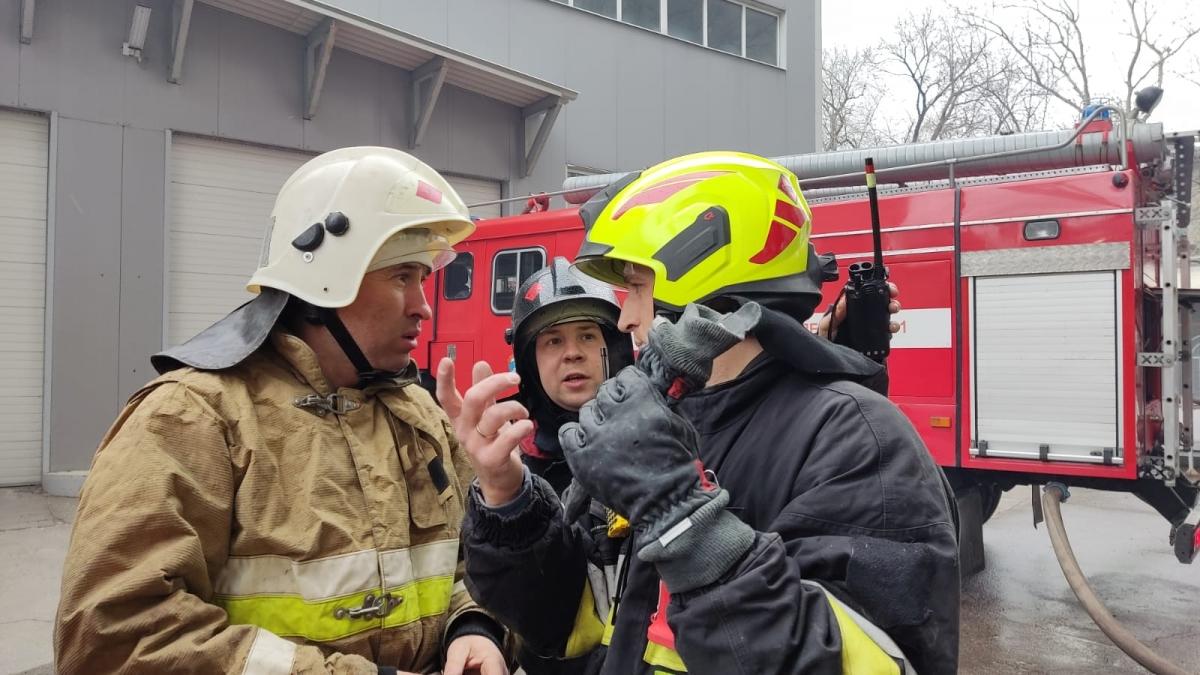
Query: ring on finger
{"x": 486, "y": 436}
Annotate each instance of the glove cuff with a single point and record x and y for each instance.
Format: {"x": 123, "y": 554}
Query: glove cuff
{"x": 474, "y": 623}
{"x": 514, "y": 529}
{"x": 698, "y": 549}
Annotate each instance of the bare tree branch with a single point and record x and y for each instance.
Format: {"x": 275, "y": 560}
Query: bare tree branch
{"x": 1161, "y": 49}
{"x": 955, "y": 75}
{"x": 1003, "y": 68}
{"x": 1191, "y": 71}
{"x": 1046, "y": 39}
{"x": 851, "y": 93}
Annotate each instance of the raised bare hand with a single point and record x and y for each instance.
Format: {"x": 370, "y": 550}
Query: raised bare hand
{"x": 491, "y": 432}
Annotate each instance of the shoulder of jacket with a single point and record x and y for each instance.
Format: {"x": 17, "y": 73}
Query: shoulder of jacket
{"x": 224, "y": 392}
{"x": 853, "y": 391}
{"x": 840, "y": 398}
{"x": 204, "y": 381}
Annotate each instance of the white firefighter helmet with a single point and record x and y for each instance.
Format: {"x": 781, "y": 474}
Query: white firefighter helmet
{"x": 339, "y": 216}
{"x": 354, "y": 210}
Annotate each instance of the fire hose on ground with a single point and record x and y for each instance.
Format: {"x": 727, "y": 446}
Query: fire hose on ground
{"x": 1052, "y": 497}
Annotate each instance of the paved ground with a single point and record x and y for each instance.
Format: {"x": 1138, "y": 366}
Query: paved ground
{"x": 34, "y": 529}
{"x": 1018, "y": 616}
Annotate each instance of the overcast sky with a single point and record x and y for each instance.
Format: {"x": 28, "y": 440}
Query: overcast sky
{"x": 868, "y": 22}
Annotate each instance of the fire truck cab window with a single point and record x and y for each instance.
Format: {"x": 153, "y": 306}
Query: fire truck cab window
{"x": 458, "y": 276}
{"x": 509, "y": 270}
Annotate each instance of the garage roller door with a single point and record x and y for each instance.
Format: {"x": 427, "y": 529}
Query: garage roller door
{"x": 476, "y": 190}
{"x": 24, "y": 154}
{"x": 220, "y": 201}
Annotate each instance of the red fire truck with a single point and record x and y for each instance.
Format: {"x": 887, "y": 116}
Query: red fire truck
{"x": 1045, "y": 279}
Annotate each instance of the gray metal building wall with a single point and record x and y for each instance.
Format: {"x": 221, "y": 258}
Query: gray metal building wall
{"x": 643, "y": 97}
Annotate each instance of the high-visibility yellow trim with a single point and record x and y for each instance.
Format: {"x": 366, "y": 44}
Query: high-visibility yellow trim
{"x": 860, "y": 654}
{"x": 871, "y": 180}
{"x": 292, "y": 616}
{"x": 428, "y": 597}
{"x": 606, "y": 638}
{"x": 588, "y": 630}
{"x": 658, "y": 655}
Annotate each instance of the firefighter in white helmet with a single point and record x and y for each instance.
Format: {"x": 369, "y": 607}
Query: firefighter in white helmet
{"x": 286, "y": 497}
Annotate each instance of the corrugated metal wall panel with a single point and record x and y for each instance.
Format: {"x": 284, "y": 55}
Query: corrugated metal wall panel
{"x": 24, "y": 158}
{"x": 1046, "y": 359}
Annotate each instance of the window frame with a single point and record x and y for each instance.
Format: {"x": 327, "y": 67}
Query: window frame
{"x": 577, "y": 170}
{"x": 744, "y": 5}
{"x": 470, "y": 284}
{"x": 492, "y": 279}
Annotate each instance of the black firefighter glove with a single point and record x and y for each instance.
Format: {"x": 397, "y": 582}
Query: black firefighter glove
{"x": 678, "y": 360}
{"x": 679, "y": 355}
{"x": 636, "y": 456}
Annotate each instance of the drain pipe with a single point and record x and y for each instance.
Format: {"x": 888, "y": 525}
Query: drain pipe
{"x": 1052, "y": 497}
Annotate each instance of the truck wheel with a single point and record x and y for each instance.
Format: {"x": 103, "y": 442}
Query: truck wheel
{"x": 991, "y": 493}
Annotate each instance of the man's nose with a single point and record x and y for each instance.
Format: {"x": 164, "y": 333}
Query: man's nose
{"x": 627, "y": 321}
{"x": 573, "y": 352}
{"x": 417, "y": 304}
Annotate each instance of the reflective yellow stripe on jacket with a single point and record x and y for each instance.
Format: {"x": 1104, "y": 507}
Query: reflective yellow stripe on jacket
{"x": 332, "y": 598}
{"x": 663, "y": 657}
{"x": 866, "y": 648}
{"x": 588, "y": 630}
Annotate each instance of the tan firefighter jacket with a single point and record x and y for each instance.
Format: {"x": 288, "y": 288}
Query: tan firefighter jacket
{"x": 232, "y": 523}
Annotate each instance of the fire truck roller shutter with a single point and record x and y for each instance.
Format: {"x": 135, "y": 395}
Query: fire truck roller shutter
{"x": 24, "y": 161}
{"x": 1045, "y": 366}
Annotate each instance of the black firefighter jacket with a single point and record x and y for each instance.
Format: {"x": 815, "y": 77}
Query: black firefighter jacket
{"x": 855, "y": 534}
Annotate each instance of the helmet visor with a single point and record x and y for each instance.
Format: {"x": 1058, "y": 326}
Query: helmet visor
{"x": 417, "y": 245}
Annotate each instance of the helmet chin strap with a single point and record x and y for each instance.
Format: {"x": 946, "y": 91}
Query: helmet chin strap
{"x": 367, "y": 374}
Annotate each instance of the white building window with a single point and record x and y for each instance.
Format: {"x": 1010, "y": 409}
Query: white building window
{"x": 744, "y": 29}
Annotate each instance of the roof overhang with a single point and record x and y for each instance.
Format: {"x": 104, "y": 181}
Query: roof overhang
{"x": 396, "y": 47}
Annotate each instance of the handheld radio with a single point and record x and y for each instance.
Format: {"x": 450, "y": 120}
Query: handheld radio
{"x": 867, "y": 297}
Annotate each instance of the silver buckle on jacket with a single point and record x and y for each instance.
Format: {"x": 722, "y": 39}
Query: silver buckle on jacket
{"x": 372, "y": 607}
{"x": 323, "y": 405}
